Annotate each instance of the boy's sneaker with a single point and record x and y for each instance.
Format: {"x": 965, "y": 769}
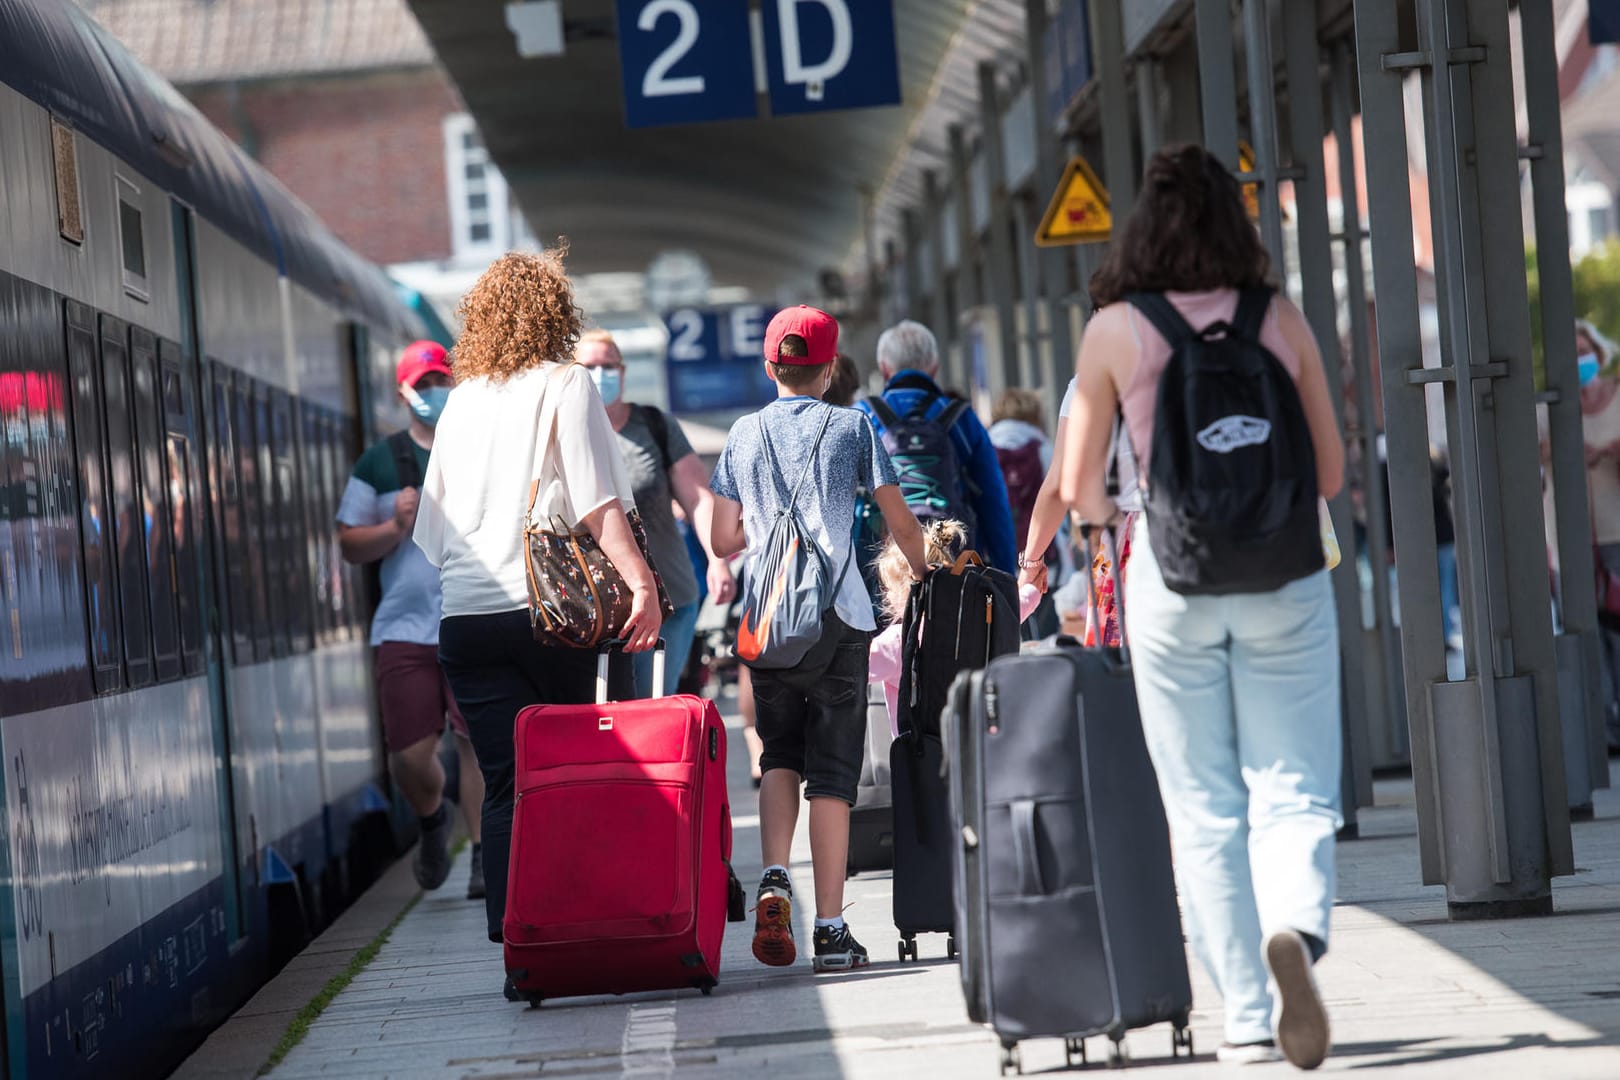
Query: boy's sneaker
{"x": 475, "y": 878}
{"x": 1302, "y": 1022}
{"x": 837, "y": 950}
{"x": 773, "y": 921}
{"x": 1255, "y": 1053}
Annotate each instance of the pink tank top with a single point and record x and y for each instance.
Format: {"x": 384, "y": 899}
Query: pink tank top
{"x": 1200, "y": 309}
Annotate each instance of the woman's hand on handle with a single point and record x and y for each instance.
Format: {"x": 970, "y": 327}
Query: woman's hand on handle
{"x": 640, "y": 631}
{"x": 610, "y": 526}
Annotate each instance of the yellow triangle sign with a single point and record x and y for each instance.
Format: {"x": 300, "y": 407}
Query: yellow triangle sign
{"x": 1251, "y": 190}
{"x": 1078, "y": 213}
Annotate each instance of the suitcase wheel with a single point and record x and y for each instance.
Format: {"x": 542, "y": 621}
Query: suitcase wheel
{"x": 950, "y": 947}
{"x": 706, "y": 985}
{"x": 1073, "y": 1049}
{"x": 1118, "y": 1055}
{"x": 511, "y": 993}
{"x": 908, "y": 948}
{"x": 1011, "y": 1060}
{"x": 1181, "y": 1039}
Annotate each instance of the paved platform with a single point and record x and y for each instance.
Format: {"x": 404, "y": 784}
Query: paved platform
{"x": 1409, "y": 992}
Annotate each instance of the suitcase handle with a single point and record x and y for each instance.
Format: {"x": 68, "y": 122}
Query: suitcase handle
{"x": 605, "y": 653}
{"x": 1026, "y": 849}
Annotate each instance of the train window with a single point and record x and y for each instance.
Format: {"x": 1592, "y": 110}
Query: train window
{"x": 157, "y": 526}
{"x": 228, "y": 527}
{"x": 250, "y": 552}
{"x": 100, "y": 571}
{"x": 132, "y": 239}
{"x": 129, "y": 534}
{"x": 317, "y": 522}
{"x": 292, "y": 631}
{"x": 336, "y": 568}
{"x": 272, "y": 585}
{"x": 185, "y": 536}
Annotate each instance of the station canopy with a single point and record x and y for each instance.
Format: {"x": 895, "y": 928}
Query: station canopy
{"x": 769, "y": 203}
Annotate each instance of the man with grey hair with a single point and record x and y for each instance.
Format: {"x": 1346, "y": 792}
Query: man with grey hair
{"x": 947, "y": 464}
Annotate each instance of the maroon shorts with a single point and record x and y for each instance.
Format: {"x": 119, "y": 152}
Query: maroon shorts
{"x": 414, "y": 695}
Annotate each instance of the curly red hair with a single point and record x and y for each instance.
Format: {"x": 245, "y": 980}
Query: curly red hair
{"x": 519, "y": 315}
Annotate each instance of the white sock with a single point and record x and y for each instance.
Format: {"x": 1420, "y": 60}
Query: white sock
{"x": 836, "y": 922}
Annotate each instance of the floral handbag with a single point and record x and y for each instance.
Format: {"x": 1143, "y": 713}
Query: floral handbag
{"x": 577, "y": 597}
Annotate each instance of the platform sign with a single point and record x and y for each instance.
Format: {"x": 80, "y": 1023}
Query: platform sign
{"x": 822, "y": 55}
{"x": 1078, "y": 213}
{"x": 684, "y": 62}
{"x": 1603, "y": 22}
{"x": 715, "y": 358}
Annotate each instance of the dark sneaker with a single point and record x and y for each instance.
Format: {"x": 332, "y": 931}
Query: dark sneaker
{"x": 1255, "y": 1053}
{"x": 773, "y": 921}
{"x": 1302, "y": 1022}
{"x": 837, "y": 950}
{"x": 432, "y": 861}
{"x": 475, "y": 879}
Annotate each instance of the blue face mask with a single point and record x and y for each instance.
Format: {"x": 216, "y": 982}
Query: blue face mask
{"x": 609, "y": 383}
{"x": 1587, "y": 364}
{"x": 427, "y": 403}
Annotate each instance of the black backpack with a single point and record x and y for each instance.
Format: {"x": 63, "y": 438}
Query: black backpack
{"x": 1231, "y": 501}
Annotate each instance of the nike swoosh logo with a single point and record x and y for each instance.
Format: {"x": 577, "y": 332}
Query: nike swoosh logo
{"x": 751, "y": 641}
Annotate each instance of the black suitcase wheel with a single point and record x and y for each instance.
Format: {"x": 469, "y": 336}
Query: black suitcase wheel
{"x": 1072, "y": 1049}
{"x": 1181, "y": 1040}
{"x": 1011, "y": 1060}
{"x": 1118, "y": 1055}
{"x": 950, "y": 947}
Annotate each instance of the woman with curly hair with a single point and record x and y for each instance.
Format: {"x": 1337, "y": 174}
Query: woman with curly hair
{"x": 513, "y": 360}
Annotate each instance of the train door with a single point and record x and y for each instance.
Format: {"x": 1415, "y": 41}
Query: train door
{"x": 190, "y": 431}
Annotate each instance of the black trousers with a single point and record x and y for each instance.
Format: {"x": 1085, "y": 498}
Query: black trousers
{"x": 496, "y": 669}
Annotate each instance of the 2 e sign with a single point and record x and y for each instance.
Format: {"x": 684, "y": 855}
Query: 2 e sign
{"x": 715, "y": 358}
{"x": 686, "y": 62}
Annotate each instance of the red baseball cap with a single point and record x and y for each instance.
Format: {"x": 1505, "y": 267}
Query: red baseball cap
{"x": 419, "y": 359}
{"x": 818, "y": 329}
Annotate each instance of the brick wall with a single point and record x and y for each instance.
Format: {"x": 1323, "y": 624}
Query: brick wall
{"x": 366, "y": 152}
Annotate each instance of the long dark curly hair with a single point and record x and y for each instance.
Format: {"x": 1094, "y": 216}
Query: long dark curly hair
{"x": 1189, "y": 232}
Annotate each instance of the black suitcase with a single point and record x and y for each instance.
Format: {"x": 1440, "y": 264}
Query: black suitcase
{"x": 871, "y": 819}
{"x": 1066, "y": 901}
{"x": 957, "y": 620}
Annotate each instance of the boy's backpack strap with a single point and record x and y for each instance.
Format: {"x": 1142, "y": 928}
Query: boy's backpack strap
{"x": 1253, "y": 303}
{"x": 1163, "y": 315}
{"x": 402, "y": 448}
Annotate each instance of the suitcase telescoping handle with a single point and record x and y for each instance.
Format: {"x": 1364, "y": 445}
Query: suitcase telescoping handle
{"x": 1088, "y": 535}
{"x": 605, "y": 654}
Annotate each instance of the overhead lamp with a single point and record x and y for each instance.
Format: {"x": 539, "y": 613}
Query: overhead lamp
{"x": 538, "y": 27}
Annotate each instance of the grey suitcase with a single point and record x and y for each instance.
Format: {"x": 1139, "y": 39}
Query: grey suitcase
{"x": 1066, "y": 903}
{"x": 871, "y": 819}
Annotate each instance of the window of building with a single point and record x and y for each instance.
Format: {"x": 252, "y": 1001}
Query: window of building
{"x": 480, "y": 206}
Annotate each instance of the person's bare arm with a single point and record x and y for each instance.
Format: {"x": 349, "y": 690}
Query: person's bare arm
{"x": 726, "y": 536}
{"x": 1046, "y": 517}
{"x": 903, "y": 527}
{"x": 361, "y": 544}
{"x": 611, "y": 528}
{"x": 689, "y": 480}
{"x": 1084, "y": 485}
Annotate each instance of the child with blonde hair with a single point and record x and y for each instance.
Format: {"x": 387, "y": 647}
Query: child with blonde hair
{"x": 943, "y": 541}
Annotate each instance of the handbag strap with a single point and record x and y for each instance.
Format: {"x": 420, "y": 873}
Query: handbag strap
{"x": 547, "y": 432}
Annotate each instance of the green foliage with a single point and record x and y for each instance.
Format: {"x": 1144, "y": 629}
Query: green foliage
{"x": 1597, "y": 294}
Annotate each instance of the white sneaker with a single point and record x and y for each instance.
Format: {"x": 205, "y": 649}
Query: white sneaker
{"x": 1302, "y": 1021}
{"x": 1256, "y": 1053}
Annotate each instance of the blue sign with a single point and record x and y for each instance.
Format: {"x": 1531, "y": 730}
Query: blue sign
{"x": 683, "y": 65}
{"x": 830, "y": 54}
{"x": 1068, "y": 55}
{"x": 1603, "y": 22}
{"x": 716, "y": 358}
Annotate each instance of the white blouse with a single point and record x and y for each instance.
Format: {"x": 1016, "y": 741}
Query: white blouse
{"x": 487, "y": 451}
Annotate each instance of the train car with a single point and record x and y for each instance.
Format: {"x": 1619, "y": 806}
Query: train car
{"x": 189, "y": 363}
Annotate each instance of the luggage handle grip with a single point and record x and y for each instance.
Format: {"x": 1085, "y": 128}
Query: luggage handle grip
{"x": 1026, "y": 849}
{"x": 963, "y": 561}
{"x": 605, "y": 653}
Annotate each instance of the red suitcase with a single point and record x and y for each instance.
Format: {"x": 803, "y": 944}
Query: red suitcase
{"x": 621, "y": 847}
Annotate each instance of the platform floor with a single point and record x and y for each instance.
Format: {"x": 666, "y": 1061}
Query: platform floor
{"x": 1407, "y": 990}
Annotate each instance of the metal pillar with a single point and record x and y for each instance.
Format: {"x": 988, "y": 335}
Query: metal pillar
{"x": 1263, "y": 124}
{"x": 1302, "y": 60}
{"x": 968, "y": 293}
{"x": 912, "y": 254}
{"x": 1108, "y": 56}
{"x": 1217, "y": 81}
{"x": 1147, "y": 105}
{"x": 1487, "y": 750}
{"x": 1580, "y": 692}
{"x": 1054, "y": 273}
{"x": 939, "y": 320}
{"x": 1001, "y": 268}
{"x": 1386, "y": 695}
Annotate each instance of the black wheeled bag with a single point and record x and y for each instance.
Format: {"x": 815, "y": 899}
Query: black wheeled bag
{"x": 871, "y": 819}
{"x": 958, "y": 620}
{"x": 1066, "y": 901}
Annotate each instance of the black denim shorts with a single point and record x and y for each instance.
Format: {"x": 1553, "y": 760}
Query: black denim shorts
{"x": 812, "y": 718}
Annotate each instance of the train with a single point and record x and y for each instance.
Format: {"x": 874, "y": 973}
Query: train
{"x": 190, "y": 362}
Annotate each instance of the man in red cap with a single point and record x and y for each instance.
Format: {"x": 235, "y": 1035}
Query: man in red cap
{"x": 375, "y": 519}
{"x": 801, "y": 460}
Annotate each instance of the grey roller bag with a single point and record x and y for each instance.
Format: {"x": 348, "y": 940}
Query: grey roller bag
{"x": 871, "y": 819}
{"x": 1066, "y": 903}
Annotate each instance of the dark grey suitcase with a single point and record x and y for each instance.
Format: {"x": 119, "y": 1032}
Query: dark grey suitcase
{"x": 923, "y": 842}
{"x": 1066, "y": 902}
{"x": 871, "y": 819}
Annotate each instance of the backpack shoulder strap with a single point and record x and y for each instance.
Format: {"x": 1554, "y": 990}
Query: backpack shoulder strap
{"x": 881, "y": 408}
{"x": 1253, "y": 304}
{"x": 1163, "y": 315}
{"x": 952, "y": 413}
{"x": 402, "y": 448}
{"x": 656, "y": 423}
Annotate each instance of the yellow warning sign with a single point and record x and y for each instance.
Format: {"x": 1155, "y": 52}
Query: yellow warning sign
{"x": 1251, "y": 191}
{"x": 1078, "y": 213}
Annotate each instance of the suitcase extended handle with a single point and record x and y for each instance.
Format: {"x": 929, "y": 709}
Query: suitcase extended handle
{"x": 605, "y": 653}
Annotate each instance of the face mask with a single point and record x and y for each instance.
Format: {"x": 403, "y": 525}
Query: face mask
{"x": 427, "y": 403}
{"x": 609, "y": 383}
{"x": 1587, "y": 364}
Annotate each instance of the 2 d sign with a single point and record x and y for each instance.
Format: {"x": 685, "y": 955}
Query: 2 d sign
{"x": 715, "y": 358}
{"x": 1078, "y": 213}
{"x": 685, "y": 62}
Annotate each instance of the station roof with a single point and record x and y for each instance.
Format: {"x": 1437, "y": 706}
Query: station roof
{"x": 768, "y": 203}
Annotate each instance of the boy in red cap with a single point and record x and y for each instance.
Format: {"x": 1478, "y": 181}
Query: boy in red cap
{"x": 811, "y": 716}
{"x": 375, "y": 519}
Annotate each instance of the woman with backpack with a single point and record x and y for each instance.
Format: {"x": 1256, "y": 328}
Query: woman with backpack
{"x": 1230, "y": 617}
{"x": 662, "y": 466}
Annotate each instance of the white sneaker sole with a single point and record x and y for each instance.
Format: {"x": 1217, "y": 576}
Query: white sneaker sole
{"x": 1302, "y": 1021}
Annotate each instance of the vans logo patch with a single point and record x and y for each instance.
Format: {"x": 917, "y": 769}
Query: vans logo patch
{"x": 1233, "y": 432}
